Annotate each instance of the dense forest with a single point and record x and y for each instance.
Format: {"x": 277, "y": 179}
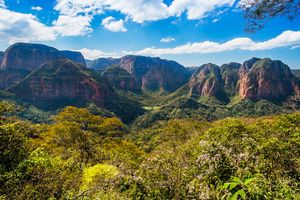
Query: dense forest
{"x": 77, "y": 125}
{"x": 83, "y": 156}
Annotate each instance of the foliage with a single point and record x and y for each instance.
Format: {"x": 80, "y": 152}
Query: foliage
{"x": 259, "y": 12}
{"x": 84, "y": 156}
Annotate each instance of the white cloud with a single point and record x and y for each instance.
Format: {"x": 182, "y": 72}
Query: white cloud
{"x": 19, "y": 27}
{"x": 37, "y": 8}
{"x": 111, "y": 24}
{"x": 285, "y": 39}
{"x": 75, "y": 16}
{"x": 196, "y": 9}
{"x": 79, "y": 7}
{"x": 72, "y": 26}
{"x": 2, "y": 4}
{"x": 295, "y": 47}
{"x": 92, "y": 54}
{"x": 167, "y": 40}
{"x": 15, "y": 27}
{"x": 141, "y": 11}
{"x": 216, "y": 20}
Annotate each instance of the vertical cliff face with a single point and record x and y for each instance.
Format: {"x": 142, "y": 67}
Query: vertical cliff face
{"x": 74, "y": 56}
{"x": 103, "y": 63}
{"x": 28, "y": 56}
{"x": 266, "y": 79}
{"x": 61, "y": 82}
{"x": 1, "y": 57}
{"x": 230, "y": 76}
{"x": 155, "y": 74}
{"x": 121, "y": 79}
{"x": 207, "y": 81}
{"x": 22, "y": 58}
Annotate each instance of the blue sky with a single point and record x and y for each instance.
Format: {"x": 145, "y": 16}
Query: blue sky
{"x": 191, "y": 32}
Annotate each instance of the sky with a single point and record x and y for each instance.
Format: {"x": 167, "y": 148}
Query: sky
{"x": 191, "y": 32}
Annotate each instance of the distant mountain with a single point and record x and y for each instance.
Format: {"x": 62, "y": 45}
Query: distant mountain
{"x": 102, "y": 63}
{"x": 207, "y": 81}
{"x": 256, "y": 88}
{"x": 121, "y": 79}
{"x": 74, "y": 56}
{"x": 191, "y": 70}
{"x": 155, "y": 74}
{"x": 50, "y": 79}
{"x": 230, "y": 76}
{"x": 61, "y": 82}
{"x": 266, "y": 79}
{"x": 28, "y": 56}
{"x": 1, "y": 56}
{"x": 296, "y": 72}
{"x": 22, "y": 58}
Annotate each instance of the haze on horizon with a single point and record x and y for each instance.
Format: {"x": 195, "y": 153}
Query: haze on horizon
{"x": 190, "y": 32}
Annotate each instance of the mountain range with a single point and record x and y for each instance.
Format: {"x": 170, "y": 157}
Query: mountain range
{"x": 144, "y": 90}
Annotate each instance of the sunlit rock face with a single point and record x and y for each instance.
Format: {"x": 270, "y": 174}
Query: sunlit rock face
{"x": 206, "y": 81}
{"x": 266, "y": 79}
{"x": 28, "y": 56}
{"x": 155, "y": 74}
{"x": 62, "y": 81}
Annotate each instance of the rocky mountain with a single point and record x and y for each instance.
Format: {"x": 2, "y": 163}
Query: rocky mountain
{"x": 207, "y": 81}
{"x": 22, "y": 58}
{"x": 296, "y": 72}
{"x": 121, "y": 79}
{"x": 61, "y": 82}
{"x": 266, "y": 79}
{"x": 1, "y": 56}
{"x": 230, "y": 76}
{"x": 102, "y": 63}
{"x": 74, "y": 56}
{"x": 155, "y": 74}
{"x": 28, "y": 56}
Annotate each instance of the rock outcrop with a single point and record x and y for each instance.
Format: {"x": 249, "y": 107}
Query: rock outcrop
{"x": 28, "y": 56}
{"x": 11, "y": 76}
{"x": 22, "y": 58}
{"x": 61, "y": 82}
{"x": 207, "y": 81}
{"x": 266, "y": 79}
{"x": 103, "y": 63}
{"x": 74, "y": 56}
{"x": 1, "y": 56}
{"x": 155, "y": 74}
{"x": 230, "y": 76}
{"x": 121, "y": 79}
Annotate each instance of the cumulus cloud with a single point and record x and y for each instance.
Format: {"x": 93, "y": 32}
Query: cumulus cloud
{"x": 139, "y": 10}
{"x": 19, "y": 27}
{"x": 196, "y": 9}
{"x": 2, "y": 4}
{"x": 92, "y": 54}
{"x": 75, "y": 16}
{"x": 72, "y": 26}
{"x": 15, "y": 27}
{"x": 37, "y": 8}
{"x": 142, "y": 10}
{"x": 285, "y": 39}
{"x": 111, "y": 24}
{"x": 167, "y": 40}
{"x": 79, "y": 7}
